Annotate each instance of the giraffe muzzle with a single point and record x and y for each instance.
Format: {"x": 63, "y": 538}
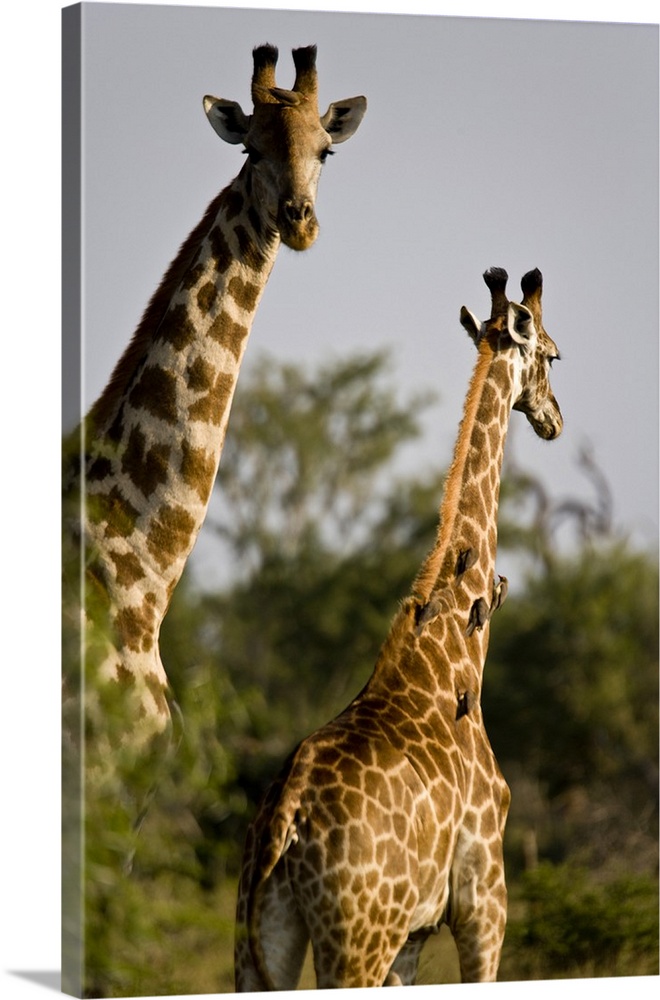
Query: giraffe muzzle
{"x": 547, "y": 425}
{"x": 297, "y": 224}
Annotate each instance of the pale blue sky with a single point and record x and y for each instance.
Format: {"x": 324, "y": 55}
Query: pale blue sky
{"x": 592, "y": 231}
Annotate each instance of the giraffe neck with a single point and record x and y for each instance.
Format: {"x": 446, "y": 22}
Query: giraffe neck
{"x": 468, "y": 513}
{"x": 155, "y": 436}
{"x": 429, "y": 649}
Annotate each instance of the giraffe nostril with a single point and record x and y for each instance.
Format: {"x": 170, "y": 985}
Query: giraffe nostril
{"x": 298, "y": 211}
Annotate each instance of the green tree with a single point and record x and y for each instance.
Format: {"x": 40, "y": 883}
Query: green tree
{"x": 573, "y": 924}
{"x": 304, "y": 455}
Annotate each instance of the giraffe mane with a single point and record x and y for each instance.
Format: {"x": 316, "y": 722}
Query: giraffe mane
{"x": 428, "y": 574}
{"x": 401, "y": 628}
{"x": 103, "y": 409}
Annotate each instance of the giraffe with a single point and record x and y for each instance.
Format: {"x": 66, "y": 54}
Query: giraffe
{"x": 142, "y": 464}
{"x": 388, "y": 821}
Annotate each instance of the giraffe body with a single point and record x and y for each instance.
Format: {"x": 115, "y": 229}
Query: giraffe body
{"x": 389, "y": 820}
{"x": 139, "y": 471}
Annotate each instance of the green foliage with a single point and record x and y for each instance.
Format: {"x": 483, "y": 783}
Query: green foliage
{"x": 573, "y": 924}
{"x": 303, "y": 454}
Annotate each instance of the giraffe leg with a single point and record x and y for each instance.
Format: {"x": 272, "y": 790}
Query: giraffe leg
{"x": 477, "y": 918}
{"x": 355, "y": 940}
{"x": 355, "y": 934}
{"x": 340, "y": 965}
{"x": 479, "y": 944}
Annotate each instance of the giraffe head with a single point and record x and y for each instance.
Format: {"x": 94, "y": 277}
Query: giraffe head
{"x": 520, "y": 326}
{"x": 286, "y": 141}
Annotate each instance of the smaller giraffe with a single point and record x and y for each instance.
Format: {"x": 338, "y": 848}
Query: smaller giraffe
{"x": 388, "y": 821}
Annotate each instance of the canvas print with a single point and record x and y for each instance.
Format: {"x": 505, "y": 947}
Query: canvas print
{"x": 360, "y": 495}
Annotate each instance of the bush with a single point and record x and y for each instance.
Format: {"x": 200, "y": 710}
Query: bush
{"x": 572, "y": 924}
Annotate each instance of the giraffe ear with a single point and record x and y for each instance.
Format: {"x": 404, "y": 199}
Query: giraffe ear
{"x": 470, "y": 323}
{"x": 227, "y": 119}
{"x": 520, "y": 324}
{"x": 343, "y": 118}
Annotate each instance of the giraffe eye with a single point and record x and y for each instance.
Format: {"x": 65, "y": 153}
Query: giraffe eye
{"x": 553, "y": 357}
{"x": 324, "y": 154}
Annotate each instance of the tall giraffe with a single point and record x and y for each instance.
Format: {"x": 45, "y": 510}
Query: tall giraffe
{"x": 152, "y": 442}
{"x": 388, "y": 821}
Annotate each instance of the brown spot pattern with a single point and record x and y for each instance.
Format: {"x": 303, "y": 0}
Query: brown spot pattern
{"x": 193, "y": 276}
{"x": 200, "y": 374}
{"x": 99, "y": 469}
{"x": 249, "y": 249}
{"x": 147, "y": 468}
{"x": 115, "y": 431}
{"x": 128, "y": 568}
{"x": 198, "y": 470}
{"x": 211, "y": 407}
{"x": 135, "y": 625}
{"x": 230, "y": 334}
{"x": 206, "y": 296}
{"x": 113, "y": 508}
{"x": 124, "y": 677}
{"x": 170, "y": 534}
{"x": 244, "y": 293}
{"x": 158, "y": 693}
{"x": 177, "y": 328}
{"x": 155, "y": 392}
{"x": 220, "y": 251}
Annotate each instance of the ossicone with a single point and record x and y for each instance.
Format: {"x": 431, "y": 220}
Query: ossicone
{"x": 532, "y": 283}
{"x": 263, "y": 77}
{"x": 264, "y": 86}
{"x": 306, "y": 81}
{"x": 496, "y": 279}
{"x": 532, "y": 288}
